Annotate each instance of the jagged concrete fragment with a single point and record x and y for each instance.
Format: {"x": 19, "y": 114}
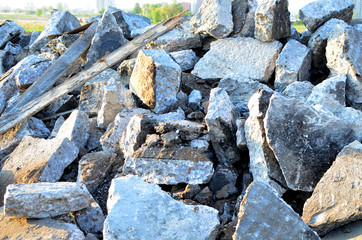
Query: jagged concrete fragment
{"x": 42, "y": 200}
{"x": 106, "y": 75}
{"x": 156, "y": 79}
{"x": 343, "y": 54}
{"x": 2, "y": 57}
{"x": 272, "y": 20}
{"x": 40, "y": 229}
{"x": 263, "y": 163}
{"x": 336, "y": 200}
{"x": 135, "y": 24}
{"x": 186, "y": 130}
{"x": 294, "y": 34}
{"x": 2, "y": 101}
{"x": 214, "y": 18}
{"x": 62, "y": 43}
{"x": 60, "y": 22}
{"x": 221, "y": 124}
{"x": 243, "y": 17}
{"x": 8, "y": 31}
{"x": 298, "y": 135}
{"x": 94, "y": 167}
{"x": 31, "y": 127}
{"x": 195, "y": 98}
{"x": 180, "y": 38}
{"x": 315, "y": 14}
{"x": 246, "y": 57}
{"x": 125, "y": 70}
{"x": 108, "y": 37}
{"x": 75, "y": 128}
{"x": 223, "y": 176}
{"x": 133, "y": 215}
{"x": 169, "y": 166}
{"x": 37, "y": 160}
{"x": 263, "y": 215}
{"x": 240, "y": 89}
{"x": 240, "y": 134}
{"x": 318, "y": 40}
{"x": 95, "y": 134}
{"x": 293, "y": 65}
{"x": 185, "y": 58}
{"x": 58, "y": 123}
{"x": 110, "y": 139}
{"x": 13, "y": 48}
{"x": 90, "y": 219}
{"x": 299, "y": 90}
{"x": 91, "y": 96}
{"x": 134, "y": 135}
{"x": 115, "y": 98}
{"x": 60, "y": 105}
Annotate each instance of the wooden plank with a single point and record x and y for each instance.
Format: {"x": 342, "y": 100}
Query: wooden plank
{"x": 74, "y": 31}
{"x": 49, "y": 77}
{"x": 36, "y": 105}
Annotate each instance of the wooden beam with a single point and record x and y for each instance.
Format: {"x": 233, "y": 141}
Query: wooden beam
{"x": 36, "y": 105}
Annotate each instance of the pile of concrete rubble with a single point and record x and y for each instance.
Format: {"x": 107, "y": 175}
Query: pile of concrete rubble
{"x": 230, "y": 126}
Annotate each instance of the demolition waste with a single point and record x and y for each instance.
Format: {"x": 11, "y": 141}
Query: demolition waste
{"x": 230, "y": 126}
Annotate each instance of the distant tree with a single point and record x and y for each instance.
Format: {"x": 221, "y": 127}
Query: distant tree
{"x": 137, "y": 9}
{"x": 156, "y": 15}
{"x": 60, "y": 6}
{"x": 39, "y": 12}
{"x": 102, "y": 11}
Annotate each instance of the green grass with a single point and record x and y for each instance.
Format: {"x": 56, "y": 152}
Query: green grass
{"x": 299, "y": 26}
{"x": 30, "y": 26}
{"x": 23, "y": 16}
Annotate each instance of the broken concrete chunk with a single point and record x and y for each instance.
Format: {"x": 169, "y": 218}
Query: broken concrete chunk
{"x": 263, "y": 163}
{"x": 315, "y": 14}
{"x": 95, "y": 135}
{"x": 108, "y": 37}
{"x": 130, "y": 196}
{"x": 169, "y": 166}
{"x": 60, "y": 105}
{"x": 61, "y": 44}
{"x": 214, "y": 18}
{"x": 31, "y": 127}
{"x": 240, "y": 134}
{"x": 343, "y": 56}
{"x": 41, "y": 229}
{"x": 42, "y": 200}
{"x": 180, "y": 38}
{"x": 91, "y": 96}
{"x": 223, "y": 176}
{"x": 44, "y": 159}
{"x": 8, "y": 31}
{"x": 125, "y": 70}
{"x": 185, "y": 58}
{"x": 156, "y": 79}
{"x": 90, "y": 219}
{"x": 293, "y": 65}
{"x": 135, "y": 24}
{"x": 244, "y": 17}
{"x": 185, "y": 129}
{"x": 60, "y": 22}
{"x": 221, "y": 124}
{"x": 336, "y": 199}
{"x": 272, "y": 20}
{"x": 58, "y": 123}
{"x": 299, "y": 90}
{"x": 195, "y": 98}
{"x": 245, "y": 57}
{"x": 13, "y": 48}
{"x": 75, "y": 128}
{"x": 115, "y": 98}
{"x": 298, "y": 135}
{"x": 2, "y": 102}
{"x": 263, "y": 215}
{"x": 94, "y": 167}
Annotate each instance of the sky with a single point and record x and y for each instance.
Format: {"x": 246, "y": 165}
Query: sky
{"x": 294, "y": 5}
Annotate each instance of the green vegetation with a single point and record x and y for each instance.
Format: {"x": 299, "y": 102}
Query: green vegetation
{"x": 299, "y": 26}
{"x": 158, "y": 12}
{"x": 23, "y": 16}
{"x": 102, "y": 11}
{"x": 39, "y": 12}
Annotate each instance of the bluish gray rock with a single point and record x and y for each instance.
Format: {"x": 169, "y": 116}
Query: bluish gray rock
{"x": 244, "y": 17}
{"x": 185, "y": 58}
{"x": 8, "y": 31}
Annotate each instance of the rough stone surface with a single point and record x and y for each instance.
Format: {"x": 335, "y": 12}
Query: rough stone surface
{"x": 30, "y": 127}
{"x": 37, "y": 229}
{"x": 263, "y": 163}
{"x": 293, "y": 65}
{"x": 44, "y": 159}
{"x": 350, "y": 231}
{"x": 2, "y": 101}
{"x": 62, "y": 43}
{"x": 240, "y": 134}
{"x": 298, "y": 135}
{"x": 75, "y": 128}
{"x": 180, "y": 38}
{"x": 214, "y": 18}
{"x": 336, "y": 199}
{"x": 263, "y": 215}
{"x": 8, "y": 31}
{"x": 186, "y": 59}
{"x": 90, "y": 219}
{"x": 91, "y": 96}
{"x": 299, "y": 90}
{"x": 169, "y": 166}
{"x": 110, "y": 140}
{"x": 133, "y": 216}
{"x": 58, "y": 123}
{"x": 343, "y": 54}
{"x": 125, "y": 70}
{"x": 243, "y": 17}
{"x": 315, "y": 14}
{"x": 186, "y": 130}
{"x": 115, "y": 98}
{"x": 156, "y": 79}
{"x": 223, "y": 176}
{"x": 240, "y": 89}
{"x": 246, "y": 57}
{"x": 95, "y": 134}
{"x": 60, "y": 22}
{"x": 272, "y": 20}
{"x": 60, "y": 105}
{"x": 2, "y": 57}
{"x": 94, "y": 167}
{"x": 42, "y": 200}
{"x": 108, "y": 37}
{"x": 13, "y": 48}
{"x": 135, "y": 24}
